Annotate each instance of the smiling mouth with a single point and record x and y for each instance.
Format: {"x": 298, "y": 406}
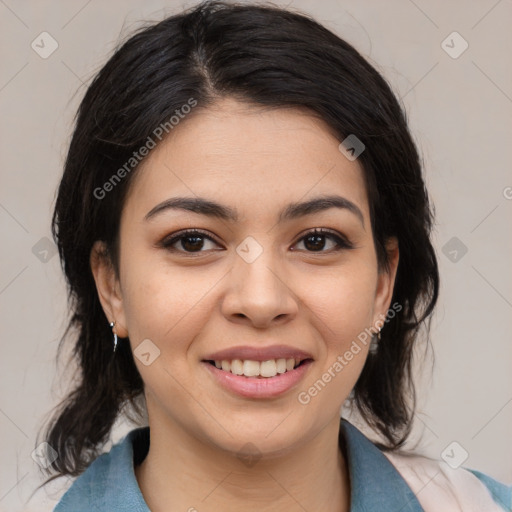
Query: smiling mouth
{"x": 258, "y": 369}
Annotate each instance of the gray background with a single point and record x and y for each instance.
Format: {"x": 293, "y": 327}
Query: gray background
{"x": 459, "y": 111}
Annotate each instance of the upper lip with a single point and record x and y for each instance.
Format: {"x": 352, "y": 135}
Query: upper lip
{"x": 258, "y": 353}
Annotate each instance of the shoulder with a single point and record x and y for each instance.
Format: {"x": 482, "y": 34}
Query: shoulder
{"x": 441, "y": 488}
{"x": 108, "y": 483}
{"x": 90, "y": 487}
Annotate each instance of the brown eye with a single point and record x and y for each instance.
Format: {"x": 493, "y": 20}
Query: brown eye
{"x": 191, "y": 241}
{"x": 315, "y": 241}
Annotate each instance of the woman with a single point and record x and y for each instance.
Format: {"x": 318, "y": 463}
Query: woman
{"x": 245, "y": 231}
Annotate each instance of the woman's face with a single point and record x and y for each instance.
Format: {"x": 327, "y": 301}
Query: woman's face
{"x": 257, "y": 281}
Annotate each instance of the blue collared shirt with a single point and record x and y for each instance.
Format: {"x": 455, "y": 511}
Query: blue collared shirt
{"x": 109, "y": 483}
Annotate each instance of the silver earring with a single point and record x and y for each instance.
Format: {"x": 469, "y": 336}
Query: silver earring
{"x": 112, "y": 325}
{"x": 374, "y": 345}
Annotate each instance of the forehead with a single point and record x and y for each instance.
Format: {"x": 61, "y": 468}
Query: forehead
{"x": 251, "y": 158}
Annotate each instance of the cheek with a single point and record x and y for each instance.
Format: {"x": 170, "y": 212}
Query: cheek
{"x": 164, "y": 304}
{"x": 343, "y": 302}
{"x": 343, "y": 309}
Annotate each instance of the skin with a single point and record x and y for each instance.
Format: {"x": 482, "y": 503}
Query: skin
{"x": 188, "y": 304}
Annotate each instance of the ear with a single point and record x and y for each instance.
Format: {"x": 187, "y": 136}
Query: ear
{"x": 386, "y": 280}
{"x": 108, "y": 287}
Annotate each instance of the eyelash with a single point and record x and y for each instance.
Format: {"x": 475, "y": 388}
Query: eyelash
{"x": 342, "y": 243}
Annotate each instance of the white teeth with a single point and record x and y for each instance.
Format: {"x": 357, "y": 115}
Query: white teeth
{"x": 250, "y": 368}
{"x": 281, "y": 365}
{"x": 237, "y": 367}
{"x": 268, "y": 368}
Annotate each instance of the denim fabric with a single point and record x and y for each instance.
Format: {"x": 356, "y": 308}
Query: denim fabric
{"x": 109, "y": 483}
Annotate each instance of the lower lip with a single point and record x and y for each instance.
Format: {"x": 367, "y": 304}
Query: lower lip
{"x": 253, "y": 387}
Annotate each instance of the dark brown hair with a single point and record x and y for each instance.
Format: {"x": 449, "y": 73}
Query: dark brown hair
{"x": 267, "y": 56}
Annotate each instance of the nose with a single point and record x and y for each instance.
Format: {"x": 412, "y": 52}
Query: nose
{"x": 259, "y": 293}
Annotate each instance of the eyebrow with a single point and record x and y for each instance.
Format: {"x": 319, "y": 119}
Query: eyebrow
{"x": 292, "y": 211}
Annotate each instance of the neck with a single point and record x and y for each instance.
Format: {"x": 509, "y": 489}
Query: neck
{"x": 182, "y": 473}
